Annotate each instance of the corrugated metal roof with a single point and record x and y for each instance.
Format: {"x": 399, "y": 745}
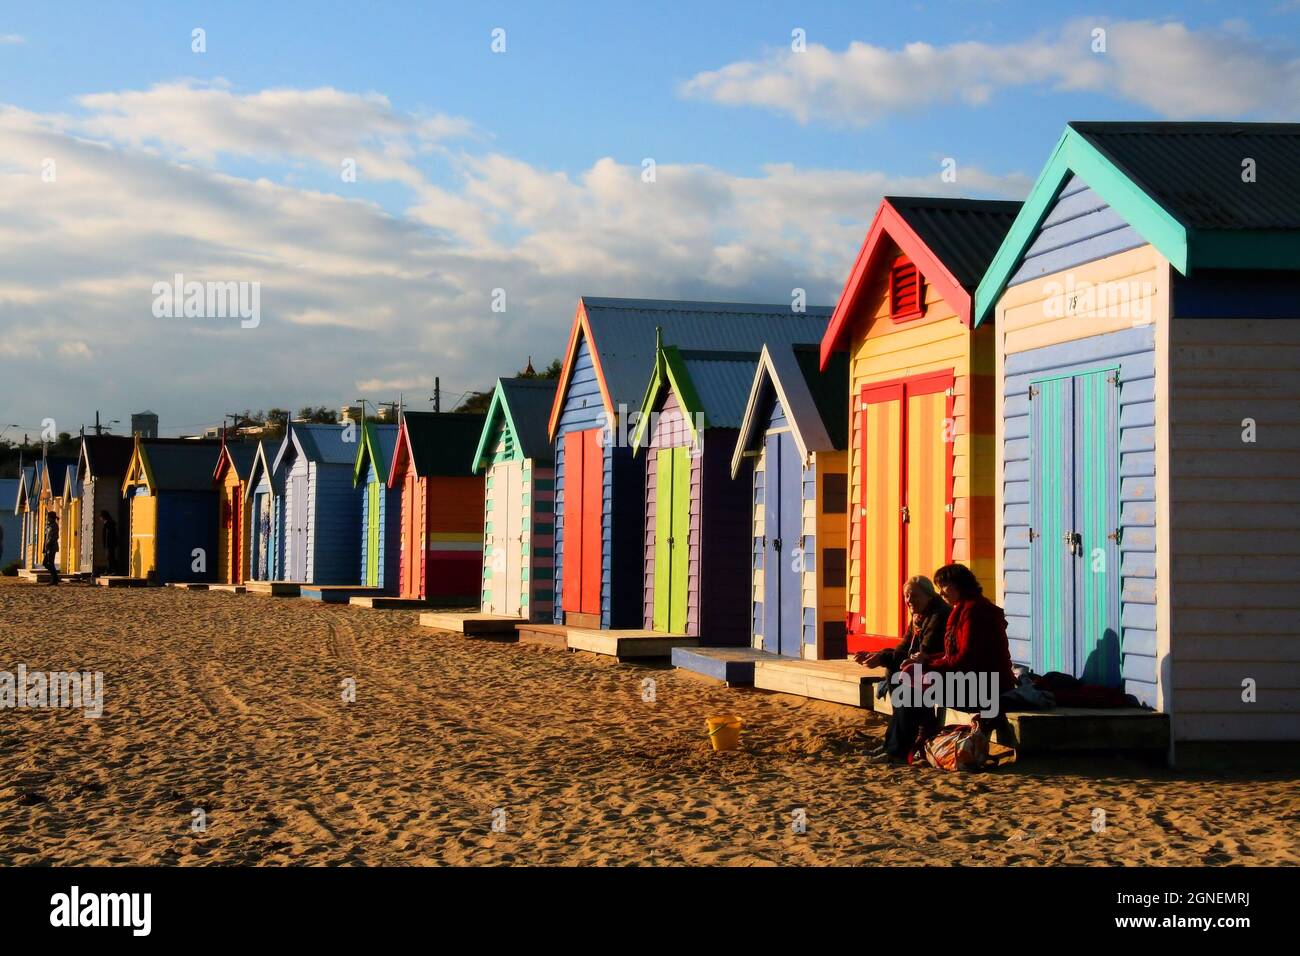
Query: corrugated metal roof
{"x": 242, "y": 454}
{"x": 964, "y": 234}
{"x": 721, "y": 381}
{"x": 324, "y": 443}
{"x": 829, "y": 389}
{"x": 107, "y": 455}
{"x": 386, "y": 439}
{"x": 182, "y": 465}
{"x": 1194, "y": 170}
{"x": 624, "y": 333}
{"x": 530, "y": 401}
{"x": 443, "y": 443}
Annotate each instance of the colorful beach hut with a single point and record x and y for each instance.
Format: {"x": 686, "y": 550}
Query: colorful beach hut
{"x": 1146, "y": 309}
{"x": 600, "y": 484}
{"x": 70, "y": 522}
{"x": 518, "y": 461}
{"x": 234, "y": 468}
{"x": 25, "y": 509}
{"x": 321, "y": 511}
{"x": 52, "y": 478}
{"x": 173, "y": 509}
{"x": 921, "y": 462}
{"x": 264, "y": 501}
{"x": 381, "y": 506}
{"x": 795, "y": 434}
{"x": 11, "y": 522}
{"x": 102, "y": 466}
{"x": 442, "y": 506}
{"x": 695, "y": 578}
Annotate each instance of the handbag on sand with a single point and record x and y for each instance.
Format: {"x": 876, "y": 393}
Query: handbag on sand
{"x": 962, "y": 747}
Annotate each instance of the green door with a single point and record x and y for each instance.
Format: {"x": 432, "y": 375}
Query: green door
{"x": 672, "y": 538}
{"x": 372, "y": 543}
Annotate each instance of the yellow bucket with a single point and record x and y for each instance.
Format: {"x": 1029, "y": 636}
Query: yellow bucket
{"x": 724, "y": 732}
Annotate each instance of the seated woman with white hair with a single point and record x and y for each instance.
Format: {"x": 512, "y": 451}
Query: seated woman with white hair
{"x": 927, "y": 620}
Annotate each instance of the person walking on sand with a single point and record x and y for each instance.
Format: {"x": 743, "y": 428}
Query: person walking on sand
{"x": 51, "y": 545}
{"x": 110, "y": 542}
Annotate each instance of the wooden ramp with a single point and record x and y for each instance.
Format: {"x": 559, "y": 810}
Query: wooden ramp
{"x": 121, "y": 581}
{"x": 274, "y": 588}
{"x": 229, "y": 588}
{"x": 387, "y": 603}
{"x": 545, "y": 635}
{"x": 335, "y": 593}
{"x": 471, "y": 624}
{"x": 627, "y": 645}
{"x": 734, "y": 666}
{"x": 188, "y": 586}
{"x": 840, "y": 681}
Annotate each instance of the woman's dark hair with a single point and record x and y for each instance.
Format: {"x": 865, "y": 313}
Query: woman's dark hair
{"x": 960, "y": 577}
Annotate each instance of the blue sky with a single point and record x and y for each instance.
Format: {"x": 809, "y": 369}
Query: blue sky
{"x": 519, "y": 170}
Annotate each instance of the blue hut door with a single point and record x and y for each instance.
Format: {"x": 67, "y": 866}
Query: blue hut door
{"x": 298, "y": 526}
{"x": 1074, "y": 521}
{"x": 782, "y": 523}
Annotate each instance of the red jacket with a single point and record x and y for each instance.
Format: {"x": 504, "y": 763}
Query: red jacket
{"x": 976, "y": 640}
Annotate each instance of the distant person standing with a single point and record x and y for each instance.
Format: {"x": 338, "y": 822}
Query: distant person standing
{"x": 110, "y": 541}
{"x": 51, "y": 545}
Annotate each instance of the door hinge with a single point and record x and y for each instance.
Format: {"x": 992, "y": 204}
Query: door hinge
{"x": 949, "y": 508}
{"x": 1113, "y": 378}
{"x": 1033, "y": 534}
{"x": 1032, "y": 392}
{"x": 948, "y": 392}
{"x": 1117, "y": 535}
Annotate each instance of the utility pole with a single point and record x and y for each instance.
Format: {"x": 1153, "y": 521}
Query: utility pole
{"x": 99, "y": 430}
{"x": 437, "y": 393}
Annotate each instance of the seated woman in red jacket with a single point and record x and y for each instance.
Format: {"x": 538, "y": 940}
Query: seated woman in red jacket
{"x": 974, "y": 646}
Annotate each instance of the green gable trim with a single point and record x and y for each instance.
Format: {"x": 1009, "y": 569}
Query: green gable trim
{"x": 1074, "y": 154}
{"x": 670, "y": 372}
{"x": 499, "y": 408}
{"x": 368, "y": 447}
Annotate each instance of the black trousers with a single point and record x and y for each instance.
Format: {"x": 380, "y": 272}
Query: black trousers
{"x": 905, "y": 724}
{"x": 49, "y": 566}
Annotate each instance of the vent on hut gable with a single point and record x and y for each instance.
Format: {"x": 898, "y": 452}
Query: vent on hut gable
{"x": 905, "y": 292}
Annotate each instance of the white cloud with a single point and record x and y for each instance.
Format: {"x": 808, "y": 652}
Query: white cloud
{"x": 12, "y": 39}
{"x": 1173, "y": 70}
{"x": 356, "y": 299}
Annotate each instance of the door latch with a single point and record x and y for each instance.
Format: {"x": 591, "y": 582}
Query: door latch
{"x": 1074, "y": 541}
{"x": 907, "y": 515}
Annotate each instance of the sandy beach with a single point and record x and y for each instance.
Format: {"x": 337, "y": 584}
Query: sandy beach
{"x": 233, "y": 705}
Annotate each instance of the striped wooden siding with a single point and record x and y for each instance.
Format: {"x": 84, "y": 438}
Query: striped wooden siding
{"x": 759, "y": 511}
{"x": 1079, "y": 228}
{"x": 832, "y": 533}
{"x": 672, "y": 431}
{"x": 1235, "y": 527}
{"x": 1079, "y": 341}
{"x": 882, "y": 351}
{"x": 583, "y": 409}
{"x": 539, "y": 561}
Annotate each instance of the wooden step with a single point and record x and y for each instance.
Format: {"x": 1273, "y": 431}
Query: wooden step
{"x": 840, "y": 681}
{"x": 388, "y": 603}
{"x": 472, "y": 624}
{"x": 628, "y": 645}
{"x": 229, "y": 588}
{"x": 734, "y": 666}
{"x": 188, "y": 586}
{"x": 121, "y": 581}
{"x": 34, "y": 575}
{"x": 544, "y": 635}
{"x": 274, "y": 588}
{"x": 336, "y": 593}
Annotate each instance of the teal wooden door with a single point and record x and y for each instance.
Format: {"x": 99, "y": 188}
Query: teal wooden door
{"x": 1074, "y": 522}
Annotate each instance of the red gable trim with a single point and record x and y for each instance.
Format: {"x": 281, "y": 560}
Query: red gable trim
{"x": 888, "y": 223}
{"x": 223, "y": 461}
{"x": 401, "y": 451}
{"x": 581, "y": 329}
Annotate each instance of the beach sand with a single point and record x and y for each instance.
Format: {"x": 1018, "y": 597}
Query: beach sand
{"x": 232, "y": 704}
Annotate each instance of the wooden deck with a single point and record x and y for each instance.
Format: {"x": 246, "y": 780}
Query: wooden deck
{"x": 471, "y": 624}
{"x": 627, "y": 645}
{"x": 274, "y": 588}
{"x": 839, "y": 681}
{"x": 121, "y": 581}
{"x": 34, "y": 575}
{"x": 229, "y": 588}
{"x": 733, "y": 666}
{"x": 544, "y": 635}
{"x": 188, "y": 586}
{"x": 387, "y": 603}
{"x": 335, "y": 593}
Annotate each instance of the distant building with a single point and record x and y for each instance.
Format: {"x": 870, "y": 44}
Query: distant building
{"x": 351, "y": 413}
{"x": 144, "y": 424}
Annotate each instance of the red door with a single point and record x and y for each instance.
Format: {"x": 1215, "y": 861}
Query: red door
{"x": 584, "y": 472}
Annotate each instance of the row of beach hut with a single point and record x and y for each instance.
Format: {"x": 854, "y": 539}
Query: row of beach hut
{"x": 1091, "y": 398}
